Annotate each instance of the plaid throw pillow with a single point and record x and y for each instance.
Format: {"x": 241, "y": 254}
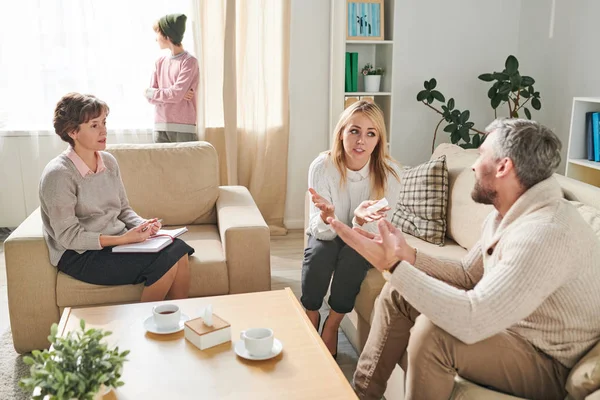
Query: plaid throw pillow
{"x": 423, "y": 201}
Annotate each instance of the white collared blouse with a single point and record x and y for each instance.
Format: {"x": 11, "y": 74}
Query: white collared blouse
{"x": 324, "y": 177}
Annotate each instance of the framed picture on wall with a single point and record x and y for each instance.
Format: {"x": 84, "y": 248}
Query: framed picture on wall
{"x": 364, "y": 20}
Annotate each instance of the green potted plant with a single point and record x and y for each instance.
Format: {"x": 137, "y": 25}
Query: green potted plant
{"x": 372, "y": 77}
{"x": 77, "y": 366}
{"x": 510, "y": 88}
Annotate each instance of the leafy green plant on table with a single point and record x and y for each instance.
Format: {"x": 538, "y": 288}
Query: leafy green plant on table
{"x": 509, "y": 88}
{"x": 75, "y": 367}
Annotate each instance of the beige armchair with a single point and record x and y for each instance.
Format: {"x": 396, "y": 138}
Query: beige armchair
{"x": 176, "y": 182}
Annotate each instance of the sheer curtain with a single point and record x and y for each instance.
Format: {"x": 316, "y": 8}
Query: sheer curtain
{"x": 244, "y": 51}
{"x": 106, "y": 48}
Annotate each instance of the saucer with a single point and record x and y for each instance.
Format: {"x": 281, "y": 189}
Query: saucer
{"x": 150, "y": 326}
{"x": 240, "y": 350}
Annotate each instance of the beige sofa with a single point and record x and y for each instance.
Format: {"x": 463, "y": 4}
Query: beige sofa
{"x": 464, "y": 221}
{"x": 176, "y": 182}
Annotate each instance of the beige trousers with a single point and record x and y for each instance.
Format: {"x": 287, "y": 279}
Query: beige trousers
{"x": 505, "y": 362}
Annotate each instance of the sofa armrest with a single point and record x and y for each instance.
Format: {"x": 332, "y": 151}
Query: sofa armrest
{"x": 31, "y": 285}
{"x": 594, "y": 396}
{"x": 307, "y": 202}
{"x": 246, "y": 240}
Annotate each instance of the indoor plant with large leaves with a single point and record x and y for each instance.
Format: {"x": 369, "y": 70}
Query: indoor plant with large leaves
{"x": 510, "y": 91}
{"x": 77, "y": 366}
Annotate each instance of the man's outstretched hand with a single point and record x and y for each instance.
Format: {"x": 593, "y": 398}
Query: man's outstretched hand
{"x": 383, "y": 250}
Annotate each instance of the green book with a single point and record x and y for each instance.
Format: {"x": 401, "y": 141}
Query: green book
{"x": 354, "y": 63}
{"x": 348, "y": 84}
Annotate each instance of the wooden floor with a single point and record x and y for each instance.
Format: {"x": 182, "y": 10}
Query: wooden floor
{"x": 286, "y": 268}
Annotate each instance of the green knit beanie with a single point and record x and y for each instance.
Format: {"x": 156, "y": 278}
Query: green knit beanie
{"x": 173, "y": 26}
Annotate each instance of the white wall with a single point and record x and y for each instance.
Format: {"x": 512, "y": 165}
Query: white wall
{"x": 564, "y": 66}
{"x": 454, "y": 42}
{"x": 309, "y": 99}
{"x": 484, "y": 32}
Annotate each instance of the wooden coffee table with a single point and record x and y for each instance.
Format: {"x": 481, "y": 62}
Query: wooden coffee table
{"x": 170, "y": 367}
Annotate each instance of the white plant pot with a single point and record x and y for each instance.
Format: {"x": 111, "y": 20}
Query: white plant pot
{"x": 372, "y": 83}
{"x": 103, "y": 391}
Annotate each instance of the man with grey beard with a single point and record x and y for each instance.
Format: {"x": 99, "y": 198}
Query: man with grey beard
{"x": 517, "y": 312}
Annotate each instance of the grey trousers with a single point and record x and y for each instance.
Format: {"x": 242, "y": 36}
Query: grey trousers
{"x": 505, "y": 362}
{"x": 324, "y": 258}
{"x": 174, "y": 137}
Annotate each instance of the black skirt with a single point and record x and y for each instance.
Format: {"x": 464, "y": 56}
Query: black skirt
{"x": 103, "y": 267}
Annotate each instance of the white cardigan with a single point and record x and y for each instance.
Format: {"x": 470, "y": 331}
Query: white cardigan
{"x": 324, "y": 177}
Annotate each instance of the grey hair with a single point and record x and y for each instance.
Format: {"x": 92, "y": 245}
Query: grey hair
{"x": 533, "y": 148}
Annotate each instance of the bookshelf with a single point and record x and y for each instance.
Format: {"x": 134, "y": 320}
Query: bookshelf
{"x": 578, "y": 166}
{"x": 377, "y": 52}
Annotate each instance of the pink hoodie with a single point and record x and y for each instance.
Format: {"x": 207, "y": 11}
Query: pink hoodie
{"x": 172, "y": 78}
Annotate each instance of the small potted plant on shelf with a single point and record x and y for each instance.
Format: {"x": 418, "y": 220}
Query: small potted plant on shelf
{"x": 372, "y": 77}
{"x": 77, "y": 366}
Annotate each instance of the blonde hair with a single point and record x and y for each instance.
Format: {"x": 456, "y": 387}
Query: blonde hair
{"x": 156, "y": 28}
{"x": 381, "y": 162}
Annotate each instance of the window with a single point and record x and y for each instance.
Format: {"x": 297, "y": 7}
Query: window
{"x": 107, "y": 48}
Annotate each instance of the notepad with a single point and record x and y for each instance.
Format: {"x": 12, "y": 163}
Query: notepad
{"x": 172, "y": 232}
{"x": 153, "y": 244}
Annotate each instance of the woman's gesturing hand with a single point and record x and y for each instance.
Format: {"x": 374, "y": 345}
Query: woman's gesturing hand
{"x": 327, "y": 209}
{"x": 364, "y": 215}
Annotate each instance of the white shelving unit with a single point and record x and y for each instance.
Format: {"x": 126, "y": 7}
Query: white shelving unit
{"x": 377, "y": 52}
{"x": 578, "y": 166}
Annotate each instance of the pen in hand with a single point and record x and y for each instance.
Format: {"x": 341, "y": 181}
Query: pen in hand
{"x": 144, "y": 229}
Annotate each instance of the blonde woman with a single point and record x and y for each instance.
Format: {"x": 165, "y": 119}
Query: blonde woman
{"x": 343, "y": 183}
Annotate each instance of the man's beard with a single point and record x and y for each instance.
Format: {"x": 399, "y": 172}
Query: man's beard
{"x": 483, "y": 195}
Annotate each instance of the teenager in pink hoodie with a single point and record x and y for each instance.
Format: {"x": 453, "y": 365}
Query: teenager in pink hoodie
{"x": 173, "y": 86}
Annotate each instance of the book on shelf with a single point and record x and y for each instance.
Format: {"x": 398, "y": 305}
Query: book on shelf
{"x": 596, "y": 133}
{"x": 203, "y": 336}
{"x": 589, "y": 136}
{"x": 348, "y": 74}
{"x": 153, "y": 244}
{"x": 354, "y": 62}
{"x": 351, "y": 72}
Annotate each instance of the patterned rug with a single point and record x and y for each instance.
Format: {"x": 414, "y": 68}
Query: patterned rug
{"x": 12, "y": 369}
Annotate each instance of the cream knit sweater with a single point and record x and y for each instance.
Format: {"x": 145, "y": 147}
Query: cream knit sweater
{"x": 535, "y": 271}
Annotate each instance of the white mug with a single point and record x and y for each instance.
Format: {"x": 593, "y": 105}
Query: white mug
{"x": 166, "y": 316}
{"x": 258, "y": 341}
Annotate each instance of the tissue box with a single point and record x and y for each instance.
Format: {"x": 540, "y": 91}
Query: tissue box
{"x": 203, "y": 336}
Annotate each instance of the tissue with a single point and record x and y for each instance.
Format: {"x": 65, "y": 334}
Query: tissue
{"x": 207, "y": 315}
